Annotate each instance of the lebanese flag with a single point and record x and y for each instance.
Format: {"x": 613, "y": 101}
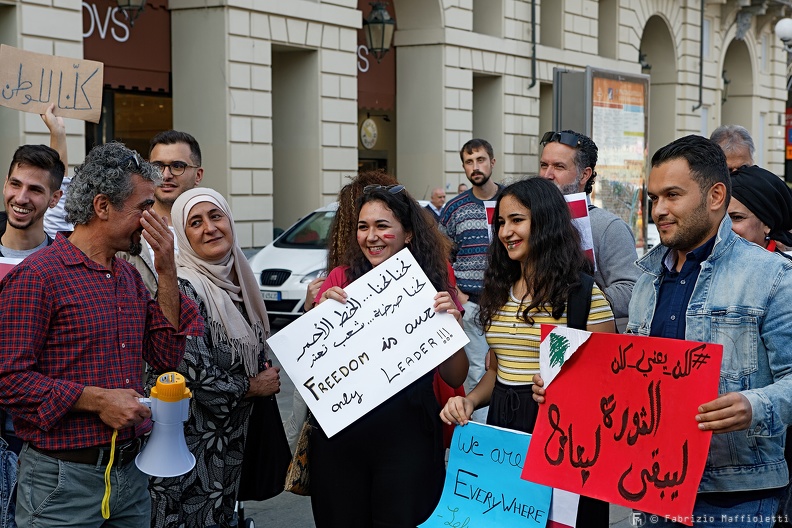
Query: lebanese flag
{"x": 578, "y": 206}
{"x": 489, "y": 208}
{"x": 7, "y": 264}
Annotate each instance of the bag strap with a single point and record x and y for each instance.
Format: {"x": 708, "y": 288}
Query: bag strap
{"x": 579, "y": 303}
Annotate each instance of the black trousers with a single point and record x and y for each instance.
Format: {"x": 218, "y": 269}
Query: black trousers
{"x": 384, "y": 471}
{"x": 513, "y": 407}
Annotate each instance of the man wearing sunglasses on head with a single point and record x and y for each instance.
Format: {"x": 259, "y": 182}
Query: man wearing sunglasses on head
{"x": 569, "y": 159}
{"x": 177, "y": 156}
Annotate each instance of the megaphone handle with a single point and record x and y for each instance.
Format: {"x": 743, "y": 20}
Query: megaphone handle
{"x": 145, "y": 401}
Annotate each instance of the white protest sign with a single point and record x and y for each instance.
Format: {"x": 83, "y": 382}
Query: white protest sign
{"x": 346, "y": 359}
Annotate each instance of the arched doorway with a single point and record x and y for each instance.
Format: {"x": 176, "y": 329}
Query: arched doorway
{"x": 657, "y": 49}
{"x": 737, "y": 104}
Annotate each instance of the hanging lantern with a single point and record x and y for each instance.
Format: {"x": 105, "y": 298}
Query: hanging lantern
{"x": 378, "y": 28}
{"x": 131, "y": 9}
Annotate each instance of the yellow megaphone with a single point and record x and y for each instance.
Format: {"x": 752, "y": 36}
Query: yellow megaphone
{"x": 166, "y": 453}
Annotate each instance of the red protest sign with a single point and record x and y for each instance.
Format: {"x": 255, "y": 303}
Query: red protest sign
{"x": 618, "y": 423}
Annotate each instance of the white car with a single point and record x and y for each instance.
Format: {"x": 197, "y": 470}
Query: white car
{"x": 299, "y": 255}
{"x": 286, "y": 266}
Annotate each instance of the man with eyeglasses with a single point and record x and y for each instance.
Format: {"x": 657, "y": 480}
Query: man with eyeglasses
{"x": 464, "y": 220}
{"x": 568, "y": 159}
{"x": 736, "y": 143}
{"x": 177, "y": 156}
{"x": 76, "y": 322}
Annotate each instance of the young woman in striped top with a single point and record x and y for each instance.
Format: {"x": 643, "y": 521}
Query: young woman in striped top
{"x": 536, "y": 266}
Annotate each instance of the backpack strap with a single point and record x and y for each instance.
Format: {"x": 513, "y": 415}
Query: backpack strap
{"x": 579, "y": 303}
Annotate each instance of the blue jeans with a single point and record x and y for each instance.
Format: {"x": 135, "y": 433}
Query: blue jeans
{"x": 710, "y": 512}
{"x": 54, "y": 493}
{"x": 476, "y": 352}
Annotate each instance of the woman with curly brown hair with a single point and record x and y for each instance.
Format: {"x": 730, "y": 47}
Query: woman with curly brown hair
{"x": 387, "y": 468}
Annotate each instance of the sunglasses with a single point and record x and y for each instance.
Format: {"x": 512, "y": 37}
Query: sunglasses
{"x": 135, "y": 158}
{"x": 177, "y": 168}
{"x": 393, "y": 189}
{"x": 570, "y": 139}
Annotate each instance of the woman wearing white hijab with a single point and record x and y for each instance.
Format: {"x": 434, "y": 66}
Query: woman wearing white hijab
{"x": 222, "y": 369}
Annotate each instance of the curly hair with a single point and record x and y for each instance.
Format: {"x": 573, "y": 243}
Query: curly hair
{"x": 429, "y": 247}
{"x": 344, "y": 224}
{"x": 554, "y": 259}
{"x": 107, "y": 170}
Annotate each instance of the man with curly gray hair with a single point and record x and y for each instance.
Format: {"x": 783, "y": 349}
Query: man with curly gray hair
{"x": 76, "y": 322}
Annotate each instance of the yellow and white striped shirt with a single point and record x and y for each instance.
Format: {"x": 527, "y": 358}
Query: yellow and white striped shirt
{"x": 516, "y": 344}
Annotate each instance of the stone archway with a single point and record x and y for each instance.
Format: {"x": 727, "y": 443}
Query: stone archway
{"x": 737, "y": 107}
{"x": 657, "y": 45}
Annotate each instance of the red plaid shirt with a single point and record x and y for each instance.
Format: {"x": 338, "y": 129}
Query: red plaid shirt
{"x": 66, "y": 323}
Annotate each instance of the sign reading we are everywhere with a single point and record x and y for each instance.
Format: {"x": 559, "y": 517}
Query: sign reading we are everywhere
{"x": 483, "y": 487}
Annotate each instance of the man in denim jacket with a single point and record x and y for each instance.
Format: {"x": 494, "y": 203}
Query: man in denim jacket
{"x": 705, "y": 283}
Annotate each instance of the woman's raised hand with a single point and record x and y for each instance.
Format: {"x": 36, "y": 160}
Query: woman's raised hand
{"x": 445, "y": 303}
{"x": 538, "y": 388}
{"x": 457, "y": 410}
{"x": 336, "y": 293}
{"x": 313, "y": 289}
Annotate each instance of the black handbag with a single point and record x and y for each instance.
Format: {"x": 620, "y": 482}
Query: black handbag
{"x": 267, "y": 454}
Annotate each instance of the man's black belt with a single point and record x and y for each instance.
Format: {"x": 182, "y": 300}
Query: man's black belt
{"x": 124, "y": 454}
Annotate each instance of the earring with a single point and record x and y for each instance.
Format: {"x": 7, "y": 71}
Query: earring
{"x": 767, "y": 236}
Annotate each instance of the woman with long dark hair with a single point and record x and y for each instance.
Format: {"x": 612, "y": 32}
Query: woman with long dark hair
{"x": 387, "y": 468}
{"x": 538, "y": 274}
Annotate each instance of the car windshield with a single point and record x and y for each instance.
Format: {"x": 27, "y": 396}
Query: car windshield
{"x": 309, "y": 233}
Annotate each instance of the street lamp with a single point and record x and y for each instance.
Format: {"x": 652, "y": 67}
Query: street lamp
{"x": 379, "y": 28}
{"x": 131, "y": 9}
{"x": 783, "y": 30}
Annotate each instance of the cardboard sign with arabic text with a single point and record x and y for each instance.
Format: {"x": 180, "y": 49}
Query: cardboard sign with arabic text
{"x": 346, "y": 359}
{"x": 32, "y": 81}
{"x": 618, "y": 423}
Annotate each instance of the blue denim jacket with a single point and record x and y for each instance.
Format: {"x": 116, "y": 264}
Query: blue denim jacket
{"x": 743, "y": 301}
